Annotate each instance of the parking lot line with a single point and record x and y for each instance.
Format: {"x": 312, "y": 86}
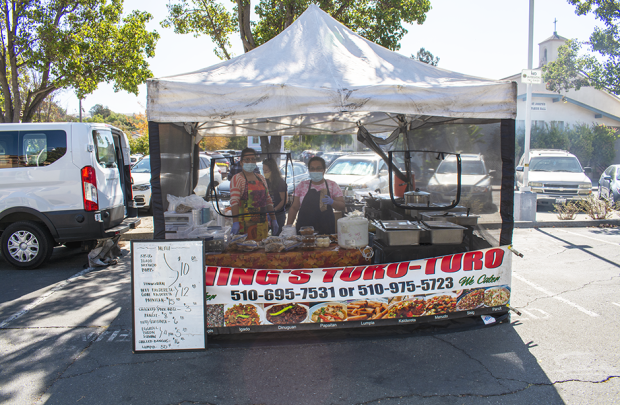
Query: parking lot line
{"x": 42, "y": 298}
{"x": 589, "y": 237}
{"x": 550, "y": 294}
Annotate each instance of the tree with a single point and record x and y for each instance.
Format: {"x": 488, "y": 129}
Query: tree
{"x": 99, "y": 109}
{"x": 573, "y": 71}
{"x": 377, "y": 21}
{"x": 237, "y": 143}
{"x": 68, "y": 44}
{"x": 139, "y": 144}
{"x": 425, "y": 56}
{"x": 592, "y": 144}
{"x": 213, "y": 143}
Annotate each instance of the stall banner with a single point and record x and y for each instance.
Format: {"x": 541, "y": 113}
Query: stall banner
{"x": 463, "y": 284}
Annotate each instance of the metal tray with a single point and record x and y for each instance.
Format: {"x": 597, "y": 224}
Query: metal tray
{"x": 404, "y": 235}
{"x": 445, "y": 233}
{"x": 459, "y": 218}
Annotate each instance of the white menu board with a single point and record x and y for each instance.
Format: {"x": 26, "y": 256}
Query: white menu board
{"x": 168, "y": 295}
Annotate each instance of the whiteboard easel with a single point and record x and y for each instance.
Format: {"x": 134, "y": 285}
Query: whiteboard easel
{"x": 168, "y": 295}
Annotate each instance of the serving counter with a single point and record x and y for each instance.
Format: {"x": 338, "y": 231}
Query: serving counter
{"x": 332, "y": 256}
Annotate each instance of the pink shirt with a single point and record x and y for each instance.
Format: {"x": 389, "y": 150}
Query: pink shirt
{"x": 302, "y": 189}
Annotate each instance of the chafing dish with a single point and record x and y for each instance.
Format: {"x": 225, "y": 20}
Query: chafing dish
{"x": 459, "y": 218}
{"x": 445, "y": 233}
{"x": 398, "y": 233}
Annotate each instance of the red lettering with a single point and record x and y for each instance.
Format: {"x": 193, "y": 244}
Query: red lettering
{"x": 330, "y": 274}
{"x": 351, "y": 273}
{"x": 374, "y": 272}
{"x": 430, "y": 266}
{"x": 210, "y": 276}
{"x": 472, "y": 261}
{"x": 397, "y": 270}
{"x": 223, "y": 277}
{"x": 244, "y": 275}
{"x": 494, "y": 258}
{"x": 451, "y": 264}
{"x": 265, "y": 277}
{"x": 299, "y": 276}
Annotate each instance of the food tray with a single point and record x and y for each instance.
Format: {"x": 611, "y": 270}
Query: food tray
{"x": 459, "y": 218}
{"x": 445, "y": 233}
{"x": 400, "y": 233}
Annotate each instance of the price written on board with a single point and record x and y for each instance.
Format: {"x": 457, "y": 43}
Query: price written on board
{"x": 168, "y": 295}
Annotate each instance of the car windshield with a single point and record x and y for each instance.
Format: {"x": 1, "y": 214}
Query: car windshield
{"x": 468, "y": 167}
{"x": 143, "y": 166}
{"x": 555, "y": 164}
{"x": 352, "y": 167}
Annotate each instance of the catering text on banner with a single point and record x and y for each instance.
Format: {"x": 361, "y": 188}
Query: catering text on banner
{"x": 463, "y": 284}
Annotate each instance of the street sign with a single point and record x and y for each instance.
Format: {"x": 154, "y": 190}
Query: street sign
{"x": 531, "y": 76}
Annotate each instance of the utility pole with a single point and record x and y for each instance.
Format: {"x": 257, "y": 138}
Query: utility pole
{"x": 528, "y": 103}
{"x": 525, "y": 200}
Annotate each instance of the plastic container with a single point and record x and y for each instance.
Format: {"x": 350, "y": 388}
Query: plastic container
{"x": 353, "y": 232}
{"x": 306, "y": 230}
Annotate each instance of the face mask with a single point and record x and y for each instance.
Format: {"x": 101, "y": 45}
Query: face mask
{"x": 316, "y": 176}
{"x": 249, "y": 167}
{"x": 267, "y": 175}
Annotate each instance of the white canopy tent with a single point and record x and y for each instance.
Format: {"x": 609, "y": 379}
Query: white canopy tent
{"x": 319, "y": 77}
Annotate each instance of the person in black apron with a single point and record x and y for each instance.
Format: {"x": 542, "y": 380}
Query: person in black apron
{"x": 319, "y": 202}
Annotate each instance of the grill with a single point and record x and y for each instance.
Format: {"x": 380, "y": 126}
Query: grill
{"x": 560, "y": 189}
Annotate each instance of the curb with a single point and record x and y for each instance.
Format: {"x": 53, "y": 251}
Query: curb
{"x": 136, "y": 235}
{"x": 567, "y": 223}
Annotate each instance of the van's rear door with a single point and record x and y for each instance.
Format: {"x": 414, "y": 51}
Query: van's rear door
{"x": 109, "y": 186}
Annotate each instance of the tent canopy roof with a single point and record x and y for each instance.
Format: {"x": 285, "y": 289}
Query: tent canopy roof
{"x": 319, "y": 77}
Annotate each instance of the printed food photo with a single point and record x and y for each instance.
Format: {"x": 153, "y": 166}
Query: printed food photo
{"x": 361, "y": 310}
{"x": 242, "y": 315}
{"x": 409, "y": 308}
{"x": 440, "y": 304}
{"x": 471, "y": 299}
{"x": 495, "y": 296}
{"x": 329, "y": 312}
{"x": 284, "y": 314}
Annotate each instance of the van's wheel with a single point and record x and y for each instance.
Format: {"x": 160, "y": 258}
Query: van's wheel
{"x": 26, "y": 245}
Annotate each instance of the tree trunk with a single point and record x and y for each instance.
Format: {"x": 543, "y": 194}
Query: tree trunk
{"x": 272, "y": 146}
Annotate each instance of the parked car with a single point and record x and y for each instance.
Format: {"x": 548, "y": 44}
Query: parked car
{"x": 609, "y": 184}
{"x": 135, "y": 158}
{"x": 360, "y": 172}
{"x": 475, "y": 180}
{"x": 329, "y": 157}
{"x": 61, "y": 183}
{"x": 204, "y": 172}
{"x": 141, "y": 174}
{"x": 556, "y": 176}
{"x": 230, "y": 152}
{"x": 223, "y": 162}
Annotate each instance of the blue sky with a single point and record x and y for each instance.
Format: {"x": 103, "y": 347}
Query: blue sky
{"x": 486, "y": 38}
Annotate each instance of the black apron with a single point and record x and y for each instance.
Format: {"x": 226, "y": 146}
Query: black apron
{"x": 310, "y": 214}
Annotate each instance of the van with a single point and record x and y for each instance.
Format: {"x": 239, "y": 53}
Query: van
{"x": 556, "y": 176}
{"x": 62, "y": 183}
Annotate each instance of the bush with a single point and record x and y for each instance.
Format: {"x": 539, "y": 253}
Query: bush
{"x": 567, "y": 211}
{"x": 595, "y": 208}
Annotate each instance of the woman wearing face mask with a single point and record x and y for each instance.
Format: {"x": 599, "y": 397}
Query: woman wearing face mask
{"x": 315, "y": 200}
{"x": 249, "y": 198}
{"x": 277, "y": 191}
